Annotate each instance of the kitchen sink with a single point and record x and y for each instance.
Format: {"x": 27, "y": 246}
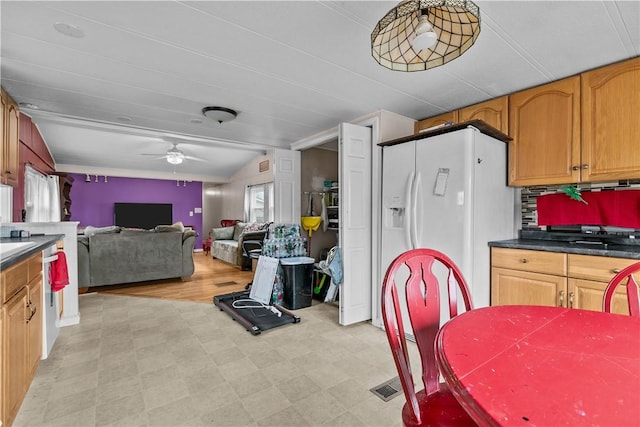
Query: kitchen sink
{"x": 10, "y": 248}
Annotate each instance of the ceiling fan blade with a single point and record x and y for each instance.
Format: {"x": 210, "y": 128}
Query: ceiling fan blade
{"x": 198, "y": 159}
{"x": 151, "y": 154}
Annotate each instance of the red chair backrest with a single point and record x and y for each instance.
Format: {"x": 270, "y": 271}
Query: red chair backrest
{"x": 228, "y": 222}
{"x": 422, "y": 293}
{"x": 632, "y": 290}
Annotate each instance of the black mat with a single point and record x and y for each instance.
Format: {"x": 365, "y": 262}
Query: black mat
{"x": 255, "y": 319}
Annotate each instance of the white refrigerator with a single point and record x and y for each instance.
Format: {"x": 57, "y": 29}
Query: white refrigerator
{"x": 447, "y": 192}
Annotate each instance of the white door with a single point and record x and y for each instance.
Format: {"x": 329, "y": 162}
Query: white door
{"x": 355, "y": 222}
{"x": 286, "y": 186}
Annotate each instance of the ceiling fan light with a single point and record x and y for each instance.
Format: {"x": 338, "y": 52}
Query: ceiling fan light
{"x": 175, "y": 158}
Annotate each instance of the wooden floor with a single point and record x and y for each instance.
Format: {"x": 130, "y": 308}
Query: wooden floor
{"x": 211, "y": 277}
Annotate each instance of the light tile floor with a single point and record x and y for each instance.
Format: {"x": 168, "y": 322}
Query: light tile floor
{"x": 149, "y": 362}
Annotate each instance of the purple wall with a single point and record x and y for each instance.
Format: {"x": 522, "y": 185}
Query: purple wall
{"x": 92, "y": 202}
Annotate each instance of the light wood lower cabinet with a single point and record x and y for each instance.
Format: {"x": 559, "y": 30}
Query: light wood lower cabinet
{"x": 21, "y": 307}
{"x": 34, "y": 325}
{"x": 520, "y": 276}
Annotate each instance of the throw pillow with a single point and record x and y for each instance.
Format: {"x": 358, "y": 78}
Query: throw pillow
{"x": 255, "y": 226}
{"x": 163, "y": 228}
{"x": 176, "y": 226}
{"x": 90, "y": 230}
{"x": 238, "y": 229}
{"x": 223, "y": 233}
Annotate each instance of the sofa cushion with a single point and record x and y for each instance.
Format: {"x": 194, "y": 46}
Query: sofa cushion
{"x": 223, "y": 233}
{"x": 90, "y": 230}
{"x": 238, "y": 229}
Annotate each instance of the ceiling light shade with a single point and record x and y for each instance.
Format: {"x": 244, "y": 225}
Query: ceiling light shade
{"x": 398, "y": 40}
{"x": 219, "y": 114}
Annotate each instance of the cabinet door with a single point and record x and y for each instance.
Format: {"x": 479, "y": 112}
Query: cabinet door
{"x": 494, "y": 112}
{"x": 509, "y": 287}
{"x": 588, "y": 295}
{"x": 34, "y": 325}
{"x": 451, "y": 116}
{"x": 3, "y": 421}
{"x": 611, "y": 122}
{"x": 15, "y": 354}
{"x": 544, "y": 123}
{"x": 4, "y": 102}
{"x": 10, "y": 153}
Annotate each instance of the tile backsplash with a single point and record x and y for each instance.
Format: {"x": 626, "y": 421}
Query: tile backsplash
{"x": 529, "y": 196}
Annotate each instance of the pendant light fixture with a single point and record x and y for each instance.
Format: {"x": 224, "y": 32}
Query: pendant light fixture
{"x": 420, "y": 34}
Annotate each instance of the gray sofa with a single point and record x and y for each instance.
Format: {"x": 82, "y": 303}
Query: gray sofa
{"x": 128, "y": 256}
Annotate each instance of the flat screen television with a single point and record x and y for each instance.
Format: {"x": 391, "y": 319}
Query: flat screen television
{"x": 142, "y": 215}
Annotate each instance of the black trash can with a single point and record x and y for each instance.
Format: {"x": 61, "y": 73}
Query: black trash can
{"x": 297, "y": 275}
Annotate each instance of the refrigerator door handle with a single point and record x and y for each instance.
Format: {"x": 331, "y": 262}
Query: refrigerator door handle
{"x": 415, "y": 214}
{"x": 407, "y": 210}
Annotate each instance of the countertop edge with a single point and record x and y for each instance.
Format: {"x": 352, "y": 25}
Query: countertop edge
{"x": 617, "y": 251}
{"x": 41, "y": 242}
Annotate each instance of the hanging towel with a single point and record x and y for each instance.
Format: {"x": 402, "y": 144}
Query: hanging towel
{"x": 58, "y": 273}
{"x": 323, "y": 214}
{"x": 619, "y": 208}
{"x": 335, "y": 265}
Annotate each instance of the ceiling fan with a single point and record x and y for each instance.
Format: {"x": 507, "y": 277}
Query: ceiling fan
{"x": 175, "y": 156}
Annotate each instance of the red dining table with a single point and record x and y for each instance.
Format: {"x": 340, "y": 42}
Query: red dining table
{"x": 543, "y": 366}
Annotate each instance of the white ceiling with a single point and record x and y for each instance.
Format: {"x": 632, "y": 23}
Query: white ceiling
{"x": 291, "y": 69}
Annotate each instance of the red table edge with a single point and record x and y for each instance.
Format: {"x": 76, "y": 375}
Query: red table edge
{"x": 481, "y": 417}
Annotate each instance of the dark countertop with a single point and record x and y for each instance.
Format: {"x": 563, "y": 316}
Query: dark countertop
{"x": 573, "y": 243}
{"x": 41, "y": 242}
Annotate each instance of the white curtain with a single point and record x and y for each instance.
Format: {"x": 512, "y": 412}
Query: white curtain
{"x": 54, "y": 198}
{"x": 41, "y": 197}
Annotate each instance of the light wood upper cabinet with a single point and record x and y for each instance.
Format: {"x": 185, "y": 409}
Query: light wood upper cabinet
{"x": 494, "y": 112}
{"x": 611, "y": 122}
{"x": 10, "y": 147}
{"x": 451, "y": 116}
{"x": 544, "y": 123}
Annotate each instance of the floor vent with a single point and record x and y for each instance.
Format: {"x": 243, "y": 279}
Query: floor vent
{"x": 388, "y": 389}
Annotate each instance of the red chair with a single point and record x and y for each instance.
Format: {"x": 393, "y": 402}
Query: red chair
{"x": 435, "y": 405}
{"x": 632, "y": 290}
{"x": 228, "y": 222}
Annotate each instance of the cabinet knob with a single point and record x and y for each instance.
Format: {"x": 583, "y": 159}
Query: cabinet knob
{"x": 571, "y": 295}
{"x": 585, "y": 166}
{"x": 615, "y": 270}
{"x": 561, "y": 299}
{"x": 523, "y": 260}
{"x": 575, "y": 168}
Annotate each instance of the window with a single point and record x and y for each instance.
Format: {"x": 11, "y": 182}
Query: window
{"x": 258, "y": 204}
{"x": 41, "y": 197}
